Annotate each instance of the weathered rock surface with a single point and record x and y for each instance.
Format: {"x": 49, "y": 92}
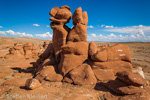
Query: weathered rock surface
{"x": 83, "y": 75}
{"x": 114, "y": 86}
{"x": 61, "y": 16}
{"x": 49, "y": 73}
{"x": 79, "y": 31}
{"x": 92, "y": 48}
{"x": 113, "y": 53}
{"x": 32, "y": 84}
{"x": 131, "y": 78}
{"x": 104, "y": 74}
{"x": 73, "y": 55}
{"x": 68, "y": 58}
{"x": 116, "y": 66}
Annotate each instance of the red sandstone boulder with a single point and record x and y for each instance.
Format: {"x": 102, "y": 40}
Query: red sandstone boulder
{"x": 54, "y": 11}
{"x": 131, "y": 78}
{"x": 74, "y": 54}
{"x": 83, "y": 75}
{"x": 85, "y": 18}
{"x": 60, "y": 15}
{"x": 116, "y": 66}
{"x": 49, "y": 73}
{"x": 92, "y": 48}
{"x": 32, "y": 84}
{"x": 144, "y": 95}
{"x": 60, "y": 33}
{"x": 104, "y": 74}
{"x": 130, "y": 90}
{"x": 114, "y": 86}
{"x": 77, "y": 16}
{"x": 101, "y": 56}
{"x": 79, "y": 31}
{"x": 48, "y": 51}
{"x": 113, "y": 53}
{"x": 65, "y": 7}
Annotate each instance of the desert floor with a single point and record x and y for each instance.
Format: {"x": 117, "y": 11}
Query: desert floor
{"x": 14, "y": 73}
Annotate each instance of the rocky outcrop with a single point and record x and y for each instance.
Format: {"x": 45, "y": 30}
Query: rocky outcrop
{"x": 60, "y": 16}
{"x": 68, "y": 58}
{"x": 83, "y": 75}
{"x": 72, "y": 56}
{"x": 79, "y": 31}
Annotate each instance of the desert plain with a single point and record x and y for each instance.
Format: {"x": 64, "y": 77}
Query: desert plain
{"x": 14, "y": 73}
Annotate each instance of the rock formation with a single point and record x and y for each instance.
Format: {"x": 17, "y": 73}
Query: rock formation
{"x": 68, "y": 58}
{"x": 25, "y": 51}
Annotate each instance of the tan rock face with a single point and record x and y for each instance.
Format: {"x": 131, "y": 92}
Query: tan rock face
{"x": 83, "y": 75}
{"x": 131, "y": 78}
{"x": 73, "y": 55}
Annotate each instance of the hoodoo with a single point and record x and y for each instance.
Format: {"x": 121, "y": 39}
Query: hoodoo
{"x": 69, "y": 58}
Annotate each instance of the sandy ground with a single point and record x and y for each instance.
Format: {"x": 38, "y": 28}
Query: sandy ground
{"x": 14, "y": 73}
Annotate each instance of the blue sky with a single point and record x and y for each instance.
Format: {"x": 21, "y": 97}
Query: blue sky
{"x": 109, "y": 20}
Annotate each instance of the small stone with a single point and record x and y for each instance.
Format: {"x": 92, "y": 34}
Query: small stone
{"x": 32, "y": 84}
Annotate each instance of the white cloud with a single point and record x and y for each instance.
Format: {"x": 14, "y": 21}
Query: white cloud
{"x": 1, "y": 26}
{"x": 131, "y": 30}
{"x": 46, "y": 35}
{"x": 109, "y": 26}
{"x": 118, "y": 38}
{"x": 11, "y": 32}
{"x": 93, "y": 35}
{"x": 47, "y": 25}
{"x": 102, "y": 25}
{"x": 2, "y": 33}
{"x": 90, "y": 26}
{"x": 36, "y": 25}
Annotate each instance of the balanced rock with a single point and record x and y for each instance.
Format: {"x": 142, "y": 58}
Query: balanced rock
{"x": 73, "y": 55}
{"x": 131, "y": 78}
{"x": 83, "y": 75}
